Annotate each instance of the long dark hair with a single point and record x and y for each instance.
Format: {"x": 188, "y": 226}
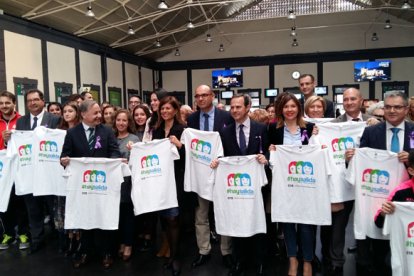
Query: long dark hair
{"x": 146, "y": 111}
{"x": 160, "y": 93}
{"x": 280, "y": 102}
{"x": 65, "y": 125}
{"x": 131, "y": 125}
{"x": 175, "y": 104}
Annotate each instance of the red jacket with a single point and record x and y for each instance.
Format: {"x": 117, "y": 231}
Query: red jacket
{"x": 7, "y": 126}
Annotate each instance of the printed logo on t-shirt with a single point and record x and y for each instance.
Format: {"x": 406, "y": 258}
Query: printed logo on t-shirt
{"x": 201, "y": 151}
{"x": 94, "y": 180}
{"x": 150, "y": 166}
{"x": 410, "y": 239}
{"x": 339, "y": 145}
{"x": 25, "y": 155}
{"x": 239, "y": 186}
{"x": 48, "y": 151}
{"x": 373, "y": 178}
{"x": 1, "y": 169}
{"x": 301, "y": 173}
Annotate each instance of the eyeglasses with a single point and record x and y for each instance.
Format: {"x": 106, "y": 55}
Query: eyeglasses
{"x": 202, "y": 96}
{"x": 396, "y": 107}
{"x": 34, "y": 100}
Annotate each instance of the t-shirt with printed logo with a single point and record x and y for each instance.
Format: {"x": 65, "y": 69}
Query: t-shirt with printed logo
{"x": 201, "y": 147}
{"x": 300, "y": 184}
{"x": 153, "y": 177}
{"x": 7, "y": 169}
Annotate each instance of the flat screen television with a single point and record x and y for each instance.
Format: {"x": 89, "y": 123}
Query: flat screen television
{"x": 226, "y": 94}
{"x": 372, "y": 70}
{"x": 321, "y": 90}
{"x": 227, "y": 78}
{"x": 271, "y": 92}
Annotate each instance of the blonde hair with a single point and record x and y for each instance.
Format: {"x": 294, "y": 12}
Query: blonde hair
{"x": 260, "y": 115}
{"x": 311, "y": 100}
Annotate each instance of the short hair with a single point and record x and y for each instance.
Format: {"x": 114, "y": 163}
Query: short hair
{"x": 54, "y": 103}
{"x": 375, "y": 106}
{"x": 246, "y": 98}
{"x": 395, "y": 93}
{"x": 74, "y": 98}
{"x": 307, "y": 75}
{"x": 84, "y": 93}
{"x": 260, "y": 115}
{"x": 311, "y": 100}
{"x": 9, "y": 95}
{"x": 135, "y": 96}
{"x": 31, "y": 91}
{"x": 269, "y": 106}
{"x": 86, "y": 105}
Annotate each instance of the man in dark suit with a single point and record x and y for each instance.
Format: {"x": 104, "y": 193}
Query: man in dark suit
{"x": 245, "y": 137}
{"x": 37, "y": 116}
{"x": 307, "y": 87}
{"x": 208, "y": 118}
{"x": 395, "y": 134}
{"x": 91, "y": 139}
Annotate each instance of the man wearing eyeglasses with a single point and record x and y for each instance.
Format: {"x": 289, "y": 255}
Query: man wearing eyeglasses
{"x": 133, "y": 101}
{"x": 217, "y": 119}
{"x": 395, "y": 134}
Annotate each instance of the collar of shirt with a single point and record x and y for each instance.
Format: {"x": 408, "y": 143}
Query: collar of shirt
{"x": 349, "y": 118}
{"x": 38, "y": 116}
{"x": 246, "y": 125}
{"x": 292, "y": 138}
{"x": 401, "y": 126}
{"x": 210, "y": 118}
{"x": 389, "y": 134}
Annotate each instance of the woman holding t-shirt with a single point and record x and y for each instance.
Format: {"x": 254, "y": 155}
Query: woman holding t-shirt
{"x": 170, "y": 125}
{"x": 291, "y": 129}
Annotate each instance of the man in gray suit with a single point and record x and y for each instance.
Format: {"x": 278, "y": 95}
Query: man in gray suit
{"x": 352, "y": 104}
{"x": 37, "y": 116}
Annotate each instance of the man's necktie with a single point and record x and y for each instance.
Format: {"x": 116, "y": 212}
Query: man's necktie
{"x": 395, "y": 141}
{"x": 242, "y": 140}
{"x": 355, "y": 119}
{"x": 34, "y": 123}
{"x": 206, "y": 126}
{"x": 91, "y": 139}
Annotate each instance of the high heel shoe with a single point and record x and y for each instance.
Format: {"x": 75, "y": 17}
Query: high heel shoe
{"x": 127, "y": 253}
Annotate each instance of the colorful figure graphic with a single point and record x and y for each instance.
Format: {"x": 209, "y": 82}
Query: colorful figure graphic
{"x": 374, "y": 176}
{"x": 100, "y": 176}
{"x": 299, "y": 167}
{"x": 246, "y": 180}
{"x": 1, "y": 166}
{"x": 194, "y": 143}
{"x": 335, "y": 146}
{"x": 237, "y": 180}
{"x": 292, "y": 167}
{"x": 28, "y": 149}
{"x": 143, "y": 162}
{"x": 410, "y": 230}
{"x": 207, "y": 147}
{"x": 349, "y": 143}
{"x": 230, "y": 179}
{"x": 307, "y": 168}
{"x": 366, "y": 175}
{"x": 93, "y": 176}
{"x": 200, "y": 146}
{"x": 155, "y": 160}
{"x": 341, "y": 143}
{"x": 149, "y": 157}
{"x": 53, "y": 146}
{"x": 87, "y": 176}
{"x": 22, "y": 150}
{"x": 383, "y": 177}
{"x": 47, "y": 145}
{"x": 42, "y": 145}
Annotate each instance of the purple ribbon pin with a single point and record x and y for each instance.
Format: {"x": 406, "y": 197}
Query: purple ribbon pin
{"x": 411, "y": 140}
{"x": 305, "y": 136}
{"x": 98, "y": 142}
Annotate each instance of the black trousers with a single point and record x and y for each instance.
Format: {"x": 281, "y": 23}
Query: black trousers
{"x": 126, "y": 223}
{"x": 376, "y": 254}
{"x": 35, "y": 210}
{"x": 245, "y": 248}
{"x": 333, "y": 236}
{"x": 97, "y": 240}
{"x": 16, "y": 215}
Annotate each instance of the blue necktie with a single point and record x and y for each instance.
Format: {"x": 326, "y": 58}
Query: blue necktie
{"x": 206, "y": 126}
{"x": 34, "y": 123}
{"x": 242, "y": 140}
{"x": 395, "y": 141}
{"x": 91, "y": 139}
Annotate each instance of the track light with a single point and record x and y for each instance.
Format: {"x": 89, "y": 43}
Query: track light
{"x": 89, "y": 11}
{"x": 406, "y": 5}
{"x": 221, "y": 48}
{"x": 295, "y": 43}
{"x": 374, "y": 37}
{"x": 130, "y": 31}
{"x": 158, "y": 43}
{"x": 162, "y": 5}
{"x": 293, "y": 31}
{"x": 209, "y": 39}
{"x": 292, "y": 15}
{"x": 190, "y": 25}
{"x": 177, "y": 53}
{"x": 387, "y": 24}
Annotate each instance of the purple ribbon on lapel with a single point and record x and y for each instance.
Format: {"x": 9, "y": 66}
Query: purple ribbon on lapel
{"x": 411, "y": 135}
{"x": 98, "y": 142}
{"x": 305, "y": 136}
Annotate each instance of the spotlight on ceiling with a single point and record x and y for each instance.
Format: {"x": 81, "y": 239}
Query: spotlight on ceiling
{"x": 293, "y": 31}
{"x": 162, "y": 5}
{"x": 89, "y": 11}
{"x": 130, "y": 31}
{"x": 190, "y": 25}
{"x": 374, "y": 37}
{"x": 221, "y": 48}
{"x": 158, "y": 43}
{"x": 177, "y": 53}
{"x": 406, "y": 5}
{"x": 292, "y": 15}
{"x": 209, "y": 39}
{"x": 387, "y": 24}
{"x": 295, "y": 43}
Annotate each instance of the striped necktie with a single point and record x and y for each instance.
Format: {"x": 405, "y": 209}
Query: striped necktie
{"x": 91, "y": 138}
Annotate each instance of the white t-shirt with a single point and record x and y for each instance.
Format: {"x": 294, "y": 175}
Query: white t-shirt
{"x": 21, "y": 145}
{"x": 153, "y": 177}
{"x": 94, "y": 193}
{"x": 49, "y": 172}
{"x": 374, "y": 173}
{"x": 338, "y": 137}
{"x": 201, "y": 147}
{"x": 300, "y": 185}
{"x": 237, "y": 196}
{"x": 400, "y": 227}
{"x": 7, "y": 169}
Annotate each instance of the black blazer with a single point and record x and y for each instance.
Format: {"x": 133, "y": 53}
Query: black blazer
{"x": 257, "y": 140}
{"x": 49, "y": 120}
{"x": 76, "y": 144}
{"x": 375, "y": 136}
{"x": 276, "y": 135}
{"x": 221, "y": 119}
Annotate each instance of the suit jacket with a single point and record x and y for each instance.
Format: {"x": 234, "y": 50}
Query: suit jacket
{"x": 76, "y": 143}
{"x": 49, "y": 120}
{"x": 343, "y": 118}
{"x": 329, "y": 112}
{"x": 221, "y": 119}
{"x": 375, "y": 136}
{"x": 276, "y": 135}
{"x": 257, "y": 140}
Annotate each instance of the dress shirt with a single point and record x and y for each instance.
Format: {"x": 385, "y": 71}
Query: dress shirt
{"x": 349, "y": 118}
{"x": 87, "y": 131}
{"x": 210, "y": 119}
{"x": 39, "y": 118}
{"x": 246, "y": 130}
{"x": 400, "y": 134}
{"x": 292, "y": 138}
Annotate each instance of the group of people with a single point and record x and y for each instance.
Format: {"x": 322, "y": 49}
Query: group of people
{"x": 287, "y": 121}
